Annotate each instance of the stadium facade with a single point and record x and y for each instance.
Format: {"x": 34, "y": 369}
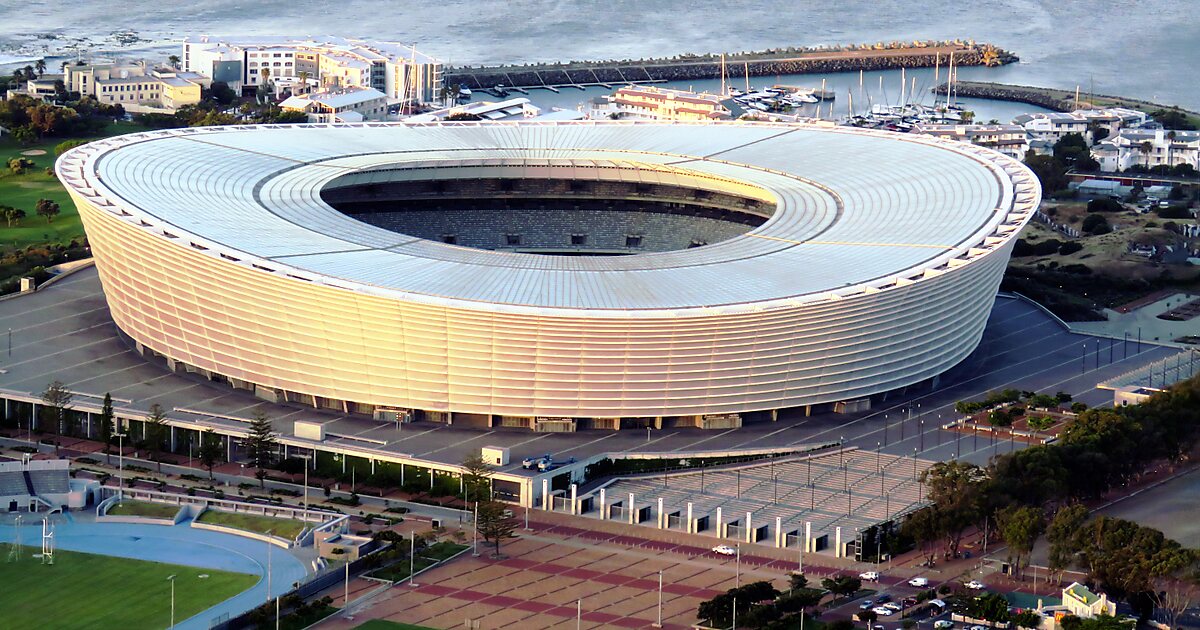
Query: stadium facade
{"x": 577, "y": 274}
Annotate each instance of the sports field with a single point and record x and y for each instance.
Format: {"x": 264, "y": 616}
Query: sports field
{"x": 82, "y": 590}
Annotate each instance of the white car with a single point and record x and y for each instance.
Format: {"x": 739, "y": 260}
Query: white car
{"x": 724, "y": 550}
{"x": 882, "y": 612}
{"x": 943, "y": 624}
{"x": 893, "y": 606}
{"x": 919, "y": 582}
{"x": 869, "y": 576}
{"x": 867, "y": 604}
{"x": 977, "y": 628}
{"x": 975, "y": 585}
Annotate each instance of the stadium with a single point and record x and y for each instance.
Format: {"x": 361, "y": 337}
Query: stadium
{"x": 552, "y": 276}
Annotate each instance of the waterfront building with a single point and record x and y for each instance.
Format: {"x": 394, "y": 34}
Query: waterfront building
{"x": 1052, "y": 126}
{"x": 135, "y": 86}
{"x": 654, "y": 103}
{"x": 42, "y": 87}
{"x": 404, "y": 75}
{"x": 1148, "y": 147}
{"x": 1011, "y": 140}
{"x": 341, "y": 105}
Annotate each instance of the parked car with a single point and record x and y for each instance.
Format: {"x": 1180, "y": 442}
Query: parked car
{"x": 883, "y": 598}
{"x": 975, "y": 585}
{"x": 893, "y": 606}
{"x": 909, "y": 601}
{"x": 724, "y": 550}
{"x": 882, "y": 612}
{"x": 869, "y": 576}
{"x": 867, "y": 604}
{"x": 919, "y": 582}
{"x": 977, "y": 628}
{"x": 943, "y": 624}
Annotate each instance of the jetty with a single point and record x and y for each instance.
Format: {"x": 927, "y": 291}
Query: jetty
{"x": 1059, "y": 100}
{"x": 867, "y": 57}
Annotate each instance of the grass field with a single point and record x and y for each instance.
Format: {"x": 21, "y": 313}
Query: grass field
{"x": 143, "y": 508}
{"x": 23, "y": 191}
{"x": 82, "y": 590}
{"x": 282, "y": 527}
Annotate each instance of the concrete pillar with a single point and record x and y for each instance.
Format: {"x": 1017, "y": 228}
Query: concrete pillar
{"x": 603, "y": 505}
{"x": 689, "y": 527}
{"x": 574, "y": 499}
{"x": 662, "y": 518}
{"x": 808, "y": 546}
{"x": 228, "y": 449}
{"x": 344, "y": 468}
{"x": 545, "y": 494}
{"x": 372, "y": 464}
{"x": 749, "y": 533}
{"x": 631, "y": 513}
{"x": 87, "y": 425}
{"x": 837, "y": 543}
{"x": 780, "y": 537}
{"x": 285, "y": 450}
{"x": 720, "y": 524}
{"x": 172, "y": 440}
{"x": 33, "y": 416}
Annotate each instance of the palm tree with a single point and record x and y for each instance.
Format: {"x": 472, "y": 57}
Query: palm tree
{"x": 174, "y": 61}
{"x": 1170, "y": 147}
{"x": 303, "y": 76}
{"x": 40, "y": 66}
{"x": 1146, "y": 147}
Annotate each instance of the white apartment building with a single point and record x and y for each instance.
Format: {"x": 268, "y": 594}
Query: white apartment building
{"x": 1148, "y": 147}
{"x": 341, "y": 105}
{"x": 135, "y": 87}
{"x": 1052, "y": 126}
{"x": 1011, "y": 140}
{"x": 404, "y": 75}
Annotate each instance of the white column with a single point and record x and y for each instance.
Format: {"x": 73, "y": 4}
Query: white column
{"x": 837, "y": 542}
{"x": 720, "y": 525}
{"x": 545, "y": 494}
{"x": 749, "y": 535}
{"x": 631, "y": 512}
{"x": 662, "y": 518}
{"x": 689, "y": 527}
{"x": 808, "y": 546}
{"x": 603, "y": 505}
{"x": 780, "y": 537}
{"x": 574, "y": 499}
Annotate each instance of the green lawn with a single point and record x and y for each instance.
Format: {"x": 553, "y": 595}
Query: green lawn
{"x": 383, "y": 624}
{"x": 82, "y": 590}
{"x": 282, "y": 527}
{"x": 143, "y": 508}
{"x": 23, "y": 191}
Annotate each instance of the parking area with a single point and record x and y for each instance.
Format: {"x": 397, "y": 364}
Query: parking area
{"x": 65, "y": 332}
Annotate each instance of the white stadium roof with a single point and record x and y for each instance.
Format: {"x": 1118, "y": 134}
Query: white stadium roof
{"x": 857, "y": 211}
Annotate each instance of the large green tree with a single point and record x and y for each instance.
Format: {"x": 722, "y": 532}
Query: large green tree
{"x": 1020, "y": 526}
{"x": 957, "y": 488}
{"x": 106, "y": 422}
{"x": 842, "y": 585}
{"x": 1125, "y": 558}
{"x": 210, "y": 450}
{"x": 495, "y": 523}
{"x": 477, "y": 479}
{"x": 56, "y": 405}
{"x": 157, "y": 433}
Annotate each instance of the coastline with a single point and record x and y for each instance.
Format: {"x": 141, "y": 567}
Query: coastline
{"x": 1053, "y": 98}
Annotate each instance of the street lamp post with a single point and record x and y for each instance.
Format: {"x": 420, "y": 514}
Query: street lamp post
{"x": 659, "y": 624}
{"x": 171, "y": 579}
{"x": 269, "y": 545}
{"x": 738, "y": 570}
{"x": 120, "y": 465}
{"x": 475, "y": 532}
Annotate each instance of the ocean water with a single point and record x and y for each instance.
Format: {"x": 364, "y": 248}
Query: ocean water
{"x": 1146, "y": 48}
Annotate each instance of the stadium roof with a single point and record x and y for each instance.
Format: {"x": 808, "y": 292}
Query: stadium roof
{"x": 857, "y": 211}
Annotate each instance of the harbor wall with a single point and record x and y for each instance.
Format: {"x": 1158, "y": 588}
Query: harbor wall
{"x": 767, "y": 63}
{"x": 1054, "y": 99}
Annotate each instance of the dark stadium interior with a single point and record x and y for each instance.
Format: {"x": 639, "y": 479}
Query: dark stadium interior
{"x": 551, "y": 216}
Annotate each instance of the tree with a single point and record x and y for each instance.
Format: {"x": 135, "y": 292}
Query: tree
{"x": 174, "y": 61}
{"x": 105, "y": 427}
{"x": 1125, "y": 558}
{"x": 844, "y": 585}
{"x": 1070, "y": 149}
{"x": 1026, "y": 619}
{"x": 495, "y": 523}
{"x": 868, "y": 617}
{"x": 1020, "y": 527}
{"x": 222, "y": 93}
{"x": 797, "y": 581}
{"x": 1106, "y": 622}
{"x": 956, "y": 488}
{"x": 1174, "y": 595}
{"x": 1040, "y": 423}
{"x": 12, "y": 215}
{"x": 464, "y": 116}
{"x": 47, "y": 208}
{"x": 40, "y": 66}
{"x": 260, "y": 444}
{"x": 210, "y": 450}
{"x": 924, "y": 527}
{"x": 477, "y": 479}
{"x": 56, "y": 401}
{"x": 1095, "y": 224}
{"x": 157, "y": 432}
{"x": 990, "y": 606}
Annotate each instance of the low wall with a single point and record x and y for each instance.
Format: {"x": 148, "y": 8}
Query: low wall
{"x": 274, "y": 540}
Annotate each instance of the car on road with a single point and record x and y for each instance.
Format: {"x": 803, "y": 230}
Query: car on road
{"x": 909, "y": 601}
{"x": 724, "y": 550}
{"x": 883, "y": 598}
{"x": 977, "y": 628}
{"x": 943, "y": 624}
{"x": 919, "y": 582}
{"x": 867, "y": 604}
{"x": 882, "y": 612}
{"x": 870, "y": 576}
{"x": 975, "y": 585}
{"x": 893, "y": 606}
{"x": 878, "y": 628}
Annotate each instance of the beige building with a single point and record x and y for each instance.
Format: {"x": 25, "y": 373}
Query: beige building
{"x": 653, "y": 103}
{"x": 135, "y": 87}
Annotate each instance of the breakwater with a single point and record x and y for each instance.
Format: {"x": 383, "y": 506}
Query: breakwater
{"x": 764, "y": 63}
{"x": 1051, "y": 98}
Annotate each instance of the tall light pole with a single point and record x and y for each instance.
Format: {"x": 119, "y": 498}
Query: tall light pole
{"x": 660, "y": 576}
{"x": 738, "y": 574}
{"x": 306, "y": 459}
{"x": 171, "y": 579}
{"x": 120, "y": 466}
{"x": 578, "y": 614}
{"x": 475, "y": 531}
{"x": 269, "y": 545}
